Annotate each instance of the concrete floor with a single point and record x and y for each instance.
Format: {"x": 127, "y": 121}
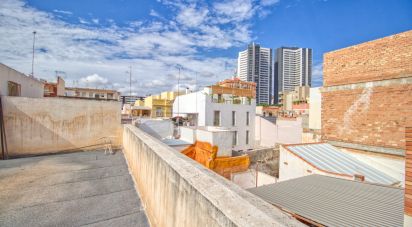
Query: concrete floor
{"x": 83, "y": 188}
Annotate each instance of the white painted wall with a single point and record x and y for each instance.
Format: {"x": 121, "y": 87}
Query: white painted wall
{"x": 191, "y": 103}
{"x": 213, "y": 135}
{"x": 188, "y": 134}
{"x": 315, "y": 103}
{"x": 247, "y": 179}
{"x": 220, "y": 138}
{"x": 291, "y": 167}
{"x": 205, "y": 109}
{"x": 159, "y": 128}
{"x": 30, "y": 87}
{"x": 269, "y": 134}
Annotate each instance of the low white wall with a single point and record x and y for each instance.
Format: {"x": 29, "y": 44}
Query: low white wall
{"x": 177, "y": 191}
{"x": 269, "y": 134}
{"x": 49, "y": 125}
{"x": 248, "y": 178}
{"x": 159, "y": 128}
{"x": 221, "y": 139}
{"x": 188, "y": 134}
{"x": 315, "y": 103}
{"x": 30, "y": 87}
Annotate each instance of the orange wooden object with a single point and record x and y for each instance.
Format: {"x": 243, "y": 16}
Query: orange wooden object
{"x": 205, "y": 154}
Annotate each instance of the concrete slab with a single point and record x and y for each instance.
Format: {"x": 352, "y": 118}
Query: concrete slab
{"x": 84, "y": 188}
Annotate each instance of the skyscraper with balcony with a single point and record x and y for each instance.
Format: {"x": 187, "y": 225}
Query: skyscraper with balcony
{"x": 293, "y": 67}
{"x": 255, "y": 65}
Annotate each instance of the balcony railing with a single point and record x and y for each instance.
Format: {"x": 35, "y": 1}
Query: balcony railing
{"x": 241, "y": 101}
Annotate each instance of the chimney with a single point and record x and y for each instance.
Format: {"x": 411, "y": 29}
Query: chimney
{"x": 407, "y": 220}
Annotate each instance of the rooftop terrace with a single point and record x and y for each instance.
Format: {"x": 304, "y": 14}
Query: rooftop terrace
{"x": 74, "y": 189}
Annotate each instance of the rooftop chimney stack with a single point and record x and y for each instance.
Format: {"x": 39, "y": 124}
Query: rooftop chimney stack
{"x": 408, "y": 178}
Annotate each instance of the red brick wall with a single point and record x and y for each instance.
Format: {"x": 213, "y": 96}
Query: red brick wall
{"x": 385, "y": 58}
{"x": 381, "y": 122}
{"x": 408, "y": 172}
{"x": 373, "y": 116}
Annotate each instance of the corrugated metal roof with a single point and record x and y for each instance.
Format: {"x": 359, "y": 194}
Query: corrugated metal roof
{"x": 336, "y": 202}
{"x": 328, "y": 158}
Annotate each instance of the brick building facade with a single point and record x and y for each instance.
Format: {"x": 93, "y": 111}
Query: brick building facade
{"x": 367, "y": 94}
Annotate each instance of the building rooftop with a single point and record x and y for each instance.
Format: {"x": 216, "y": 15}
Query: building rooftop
{"x": 332, "y": 201}
{"x": 330, "y": 159}
{"x": 82, "y": 188}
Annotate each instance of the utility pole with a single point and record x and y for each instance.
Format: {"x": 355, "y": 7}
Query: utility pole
{"x": 178, "y": 101}
{"x": 32, "y": 60}
{"x": 130, "y": 80}
{"x": 197, "y": 114}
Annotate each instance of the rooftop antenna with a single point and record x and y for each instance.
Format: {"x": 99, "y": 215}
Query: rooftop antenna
{"x": 32, "y": 60}
{"x": 178, "y": 101}
{"x": 130, "y": 80}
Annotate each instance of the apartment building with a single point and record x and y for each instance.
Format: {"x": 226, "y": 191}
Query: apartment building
{"x": 92, "y": 93}
{"x": 219, "y": 108}
{"x": 255, "y": 65}
{"x": 293, "y": 68}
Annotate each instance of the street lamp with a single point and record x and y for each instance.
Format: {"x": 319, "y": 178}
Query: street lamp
{"x": 32, "y": 60}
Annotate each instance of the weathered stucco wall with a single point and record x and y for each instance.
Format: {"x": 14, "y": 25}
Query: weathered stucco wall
{"x": 48, "y": 125}
{"x": 266, "y": 159}
{"x": 30, "y": 87}
{"x": 177, "y": 191}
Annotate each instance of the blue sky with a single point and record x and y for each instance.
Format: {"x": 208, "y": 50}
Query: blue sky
{"x": 94, "y": 41}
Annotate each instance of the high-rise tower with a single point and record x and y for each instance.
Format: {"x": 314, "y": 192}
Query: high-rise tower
{"x": 255, "y": 65}
{"x": 293, "y": 67}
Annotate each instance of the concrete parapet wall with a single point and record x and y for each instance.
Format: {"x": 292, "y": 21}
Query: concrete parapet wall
{"x": 50, "y": 125}
{"x": 177, "y": 191}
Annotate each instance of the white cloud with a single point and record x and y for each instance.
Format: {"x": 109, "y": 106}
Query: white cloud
{"x": 192, "y": 17}
{"x": 62, "y": 12}
{"x": 95, "y": 20}
{"x": 153, "y": 47}
{"x": 153, "y": 13}
{"x": 93, "y": 80}
{"x": 317, "y": 75}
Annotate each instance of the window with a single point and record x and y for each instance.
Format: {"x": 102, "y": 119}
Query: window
{"x": 233, "y": 118}
{"x": 247, "y": 137}
{"x": 159, "y": 112}
{"x": 109, "y": 96}
{"x": 14, "y": 89}
{"x": 216, "y": 118}
{"x": 97, "y": 96}
{"x": 234, "y": 140}
{"x": 247, "y": 117}
{"x": 219, "y": 98}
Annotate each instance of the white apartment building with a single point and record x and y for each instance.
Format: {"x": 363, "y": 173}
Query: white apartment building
{"x": 255, "y": 65}
{"x": 92, "y": 93}
{"x": 208, "y": 110}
